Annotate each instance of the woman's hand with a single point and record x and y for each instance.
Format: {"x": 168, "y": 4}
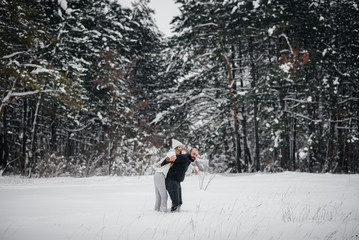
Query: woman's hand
{"x": 173, "y": 158}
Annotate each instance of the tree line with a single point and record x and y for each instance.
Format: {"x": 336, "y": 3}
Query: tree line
{"x": 94, "y": 88}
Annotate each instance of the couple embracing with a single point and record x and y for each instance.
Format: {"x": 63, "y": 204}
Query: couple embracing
{"x": 169, "y": 175}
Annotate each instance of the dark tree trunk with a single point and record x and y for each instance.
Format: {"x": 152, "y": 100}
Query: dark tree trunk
{"x": 4, "y": 149}
{"x": 22, "y": 159}
{"x": 255, "y": 105}
{"x": 294, "y": 144}
{"x": 236, "y": 123}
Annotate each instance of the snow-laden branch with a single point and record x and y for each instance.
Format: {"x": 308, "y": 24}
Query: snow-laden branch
{"x": 161, "y": 115}
{"x": 22, "y": 94}
{"x": 205, "y": 25}
{"x": 81, "y": 128}
{"x": 39, "y": 68}
{"x": 2, "y": 170}
{"x": 354, "y": 99}
{"x": 341, "y": 73}
{"x": 29, "y": 93}
{"x": 12, "y": 55}
{"x": 201, "y": 95}
{"x": 287, "y": 40}
{"x": 204, "y": 55}
{"x": 296, "y": 100}
{"x": 7, "y": 98}
{"x": 12, "y": 94}
{"x": 302, "y": 116}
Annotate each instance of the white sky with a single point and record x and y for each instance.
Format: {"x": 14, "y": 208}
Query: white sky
{"x": 165, "y": 10}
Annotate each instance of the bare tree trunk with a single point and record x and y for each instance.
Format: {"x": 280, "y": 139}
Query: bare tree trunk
{"x": 7, "y": 99}
{"x": 294, "y": 143}
{"x": 341, "y": 146}
{"x": 355, "y": 155}
{"x": 231, "y": 98}
{"x": 285, "y": 138}
{"x": 111, "y": 145}
{"x": 255, "y": 105}
{"x": 68, "y": 144}
{"x": 236, "y": 126}
{"x": 32, "y": 159}
{"x": 247, "y": 154}
{"x": 53, "y": 142}
{"x": 23, "y": 161}
{"x": 4, "y": 148}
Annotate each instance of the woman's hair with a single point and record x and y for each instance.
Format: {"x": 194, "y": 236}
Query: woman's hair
{"x": 178, "y": 150}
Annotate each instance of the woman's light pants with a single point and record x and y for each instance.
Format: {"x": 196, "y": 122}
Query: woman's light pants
{"x": 161, "y": 192}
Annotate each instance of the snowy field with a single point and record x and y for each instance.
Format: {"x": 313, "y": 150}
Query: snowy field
{"x": 244, "y": 206}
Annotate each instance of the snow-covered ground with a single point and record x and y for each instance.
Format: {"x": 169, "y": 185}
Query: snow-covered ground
{"x": 239, "y": 206}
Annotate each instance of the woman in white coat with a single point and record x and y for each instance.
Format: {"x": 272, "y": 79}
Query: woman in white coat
{"x": 160, "y": 177}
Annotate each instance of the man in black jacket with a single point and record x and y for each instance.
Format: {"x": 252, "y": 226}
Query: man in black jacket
{"x": 176, "y": 175}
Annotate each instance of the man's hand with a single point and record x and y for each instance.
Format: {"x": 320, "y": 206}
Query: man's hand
{"x": 196, "y": 170}
{"x": 173, "y": 158}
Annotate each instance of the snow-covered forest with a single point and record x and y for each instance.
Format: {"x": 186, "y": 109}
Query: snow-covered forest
{"x": 92, "y": 87}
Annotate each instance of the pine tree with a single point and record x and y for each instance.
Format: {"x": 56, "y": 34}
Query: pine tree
{"x": 27, "y": 74}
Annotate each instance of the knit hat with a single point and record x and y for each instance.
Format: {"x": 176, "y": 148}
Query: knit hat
{"x": 176, "y": 143}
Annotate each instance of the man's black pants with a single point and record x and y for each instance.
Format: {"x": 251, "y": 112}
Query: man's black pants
{"x": 175, "y": 192}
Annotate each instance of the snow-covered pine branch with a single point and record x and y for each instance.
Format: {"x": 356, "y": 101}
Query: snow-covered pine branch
{"x": 287, "y": 40}
{"x": 13, "y": 55}
{"x": 29, "y": 93}
{"x": 161, "y": 115}
{"x": 205, "y": 25}
{"x": 12, "y": 94}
